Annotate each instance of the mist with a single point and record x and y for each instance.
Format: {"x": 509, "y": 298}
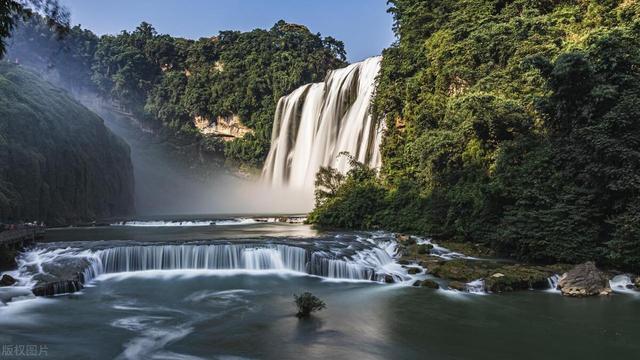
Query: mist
{"x": 164, "y": 185}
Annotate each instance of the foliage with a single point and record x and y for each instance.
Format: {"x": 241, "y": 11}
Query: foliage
{"x": 308, "y": 303}
{"x": 11, "y": 11}
{"x": 59, "y": 163}
{"x": 510, "y": 123}
{"x": 168, "y": 82}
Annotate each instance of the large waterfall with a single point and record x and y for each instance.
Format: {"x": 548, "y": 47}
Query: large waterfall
{"x": 317, "y": 122}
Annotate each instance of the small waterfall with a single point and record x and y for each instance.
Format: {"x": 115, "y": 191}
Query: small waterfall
{"x": 476, "y": 287}
{"x": 623, "y": 284}
{"x": 317, "y": 122}
{"x": 553, "y": 282}
{"x": 71, "y": 269}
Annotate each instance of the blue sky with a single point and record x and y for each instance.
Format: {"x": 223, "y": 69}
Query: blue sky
{"x": 363, "y": 25}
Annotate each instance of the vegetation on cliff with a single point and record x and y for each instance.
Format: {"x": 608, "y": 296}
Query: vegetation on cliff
{"x": 510, "y": 123}
{"x": 170, "y": 82}
{"x": 58, "y": 162}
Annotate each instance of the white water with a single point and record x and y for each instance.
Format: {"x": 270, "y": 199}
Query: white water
{"x": 317, "y": 122}
{"x": 177, "y": 223}
{"x": 623, "y": 284}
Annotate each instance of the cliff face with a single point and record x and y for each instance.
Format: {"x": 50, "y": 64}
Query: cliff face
{"x": 58, "y": 162}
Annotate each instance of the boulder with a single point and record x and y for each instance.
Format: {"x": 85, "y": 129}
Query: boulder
{"x": 416, "y": 283}
{"x": 414, "y": 270}
{"x": 457, "y": 285}
{"x": 7, "y": 280}
{"x": 61, "y": 276}
{"x": 389, "y": 279}
{"x": 428, "y": 283}
{"x": 584, "y": 280}
{"x": 637, "y": 282}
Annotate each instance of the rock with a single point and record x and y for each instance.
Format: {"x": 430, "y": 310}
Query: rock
{"x": 428, "y": 283}
{"x": 389, "y": 279}
{"x": 637, "y": 282}
{"x": 402, "y": 237}
{"x": 416, "y": 283}
{"x": 61, "y": 276}
{"x": 584, "y": 280}
{"x": 414, "y": 270}
{"x": 424, "y": 249}
{"x": 457, "y": 285}
{"x": 405, "y": 239}
{"x": 460, "y": 270}
{"x": 518, "y": 277}
{"x": 7, "y": 280}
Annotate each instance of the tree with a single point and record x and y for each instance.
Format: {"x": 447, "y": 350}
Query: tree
{"x": 11, "y": 11}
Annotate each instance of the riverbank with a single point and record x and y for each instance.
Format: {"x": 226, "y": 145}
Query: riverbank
{"x": 476, "y": 269}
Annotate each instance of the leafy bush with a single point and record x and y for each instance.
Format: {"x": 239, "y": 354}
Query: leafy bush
{"x": 308, "y": 303}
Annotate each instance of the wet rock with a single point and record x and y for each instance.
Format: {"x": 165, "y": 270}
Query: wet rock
{"x": 62, "y": 276}
{"x": 7, "y": 280}
{"x": 389, "y": 279}
{"x": 460, "y": 270}
{"x": 416, "y": 283}
{"x": 518, "y": 277}
{"x": 428, "y": 283}
{"x": 584, "y": 280}
{"x": 424, "y": 249}
{"x": 414, "y": 270}
{"x": 457, "y": 285}
{"x": 637, "y": 282}
{"x": 405, "y": 240}
{"x": 58, "y": 287}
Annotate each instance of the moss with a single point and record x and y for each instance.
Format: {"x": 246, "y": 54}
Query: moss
{"x": 469, "y": 249}
{"x": 499, "y": 277}
{"x": 518, "y": 277}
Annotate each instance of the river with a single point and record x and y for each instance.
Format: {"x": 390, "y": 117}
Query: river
{"x": 179, "y": 308}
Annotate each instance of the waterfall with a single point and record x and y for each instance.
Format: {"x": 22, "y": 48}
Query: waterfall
{"x": 316, "y": 122}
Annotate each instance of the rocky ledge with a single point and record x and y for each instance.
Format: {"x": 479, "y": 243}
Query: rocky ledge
{"x": 63, "y": 276}
{"x": 464, "y": 273}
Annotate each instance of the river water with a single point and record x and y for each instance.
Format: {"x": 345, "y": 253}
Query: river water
{"x": 183, "y": 309}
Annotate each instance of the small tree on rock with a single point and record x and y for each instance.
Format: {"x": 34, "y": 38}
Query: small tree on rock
{"x": 308, "y": 303}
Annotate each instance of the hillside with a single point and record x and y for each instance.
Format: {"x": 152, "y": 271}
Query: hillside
{"x": 218, "y": 93}
{"x": 58, "y": 161}
{"x": 514, "y": 124}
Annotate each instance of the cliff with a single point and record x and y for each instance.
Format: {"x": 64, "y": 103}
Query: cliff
{"x": 58, "y": 162}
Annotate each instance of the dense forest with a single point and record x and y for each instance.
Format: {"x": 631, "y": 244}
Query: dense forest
{"x": 512, "y": 123}
{"x": 169, "y": 83}
{"x": 58, "y": 162}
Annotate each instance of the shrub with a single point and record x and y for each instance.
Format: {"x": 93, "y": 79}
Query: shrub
{"x": 308, "y": 303}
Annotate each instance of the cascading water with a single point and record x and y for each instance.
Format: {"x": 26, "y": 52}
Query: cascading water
{"x": 66, "y": 270}
{"x": 317, "y": 122}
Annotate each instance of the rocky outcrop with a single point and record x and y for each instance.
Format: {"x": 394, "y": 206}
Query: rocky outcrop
{"x": 428, "y": 283}
{"x": 62, "y": 276}
{"x": 7, "y": 280}
{"x": 457, "y": 285}
{"x": 584, "y": 280}
{"x": 225, "y": 127}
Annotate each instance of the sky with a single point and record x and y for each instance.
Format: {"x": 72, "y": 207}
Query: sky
{"x": 363, "y": 25}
